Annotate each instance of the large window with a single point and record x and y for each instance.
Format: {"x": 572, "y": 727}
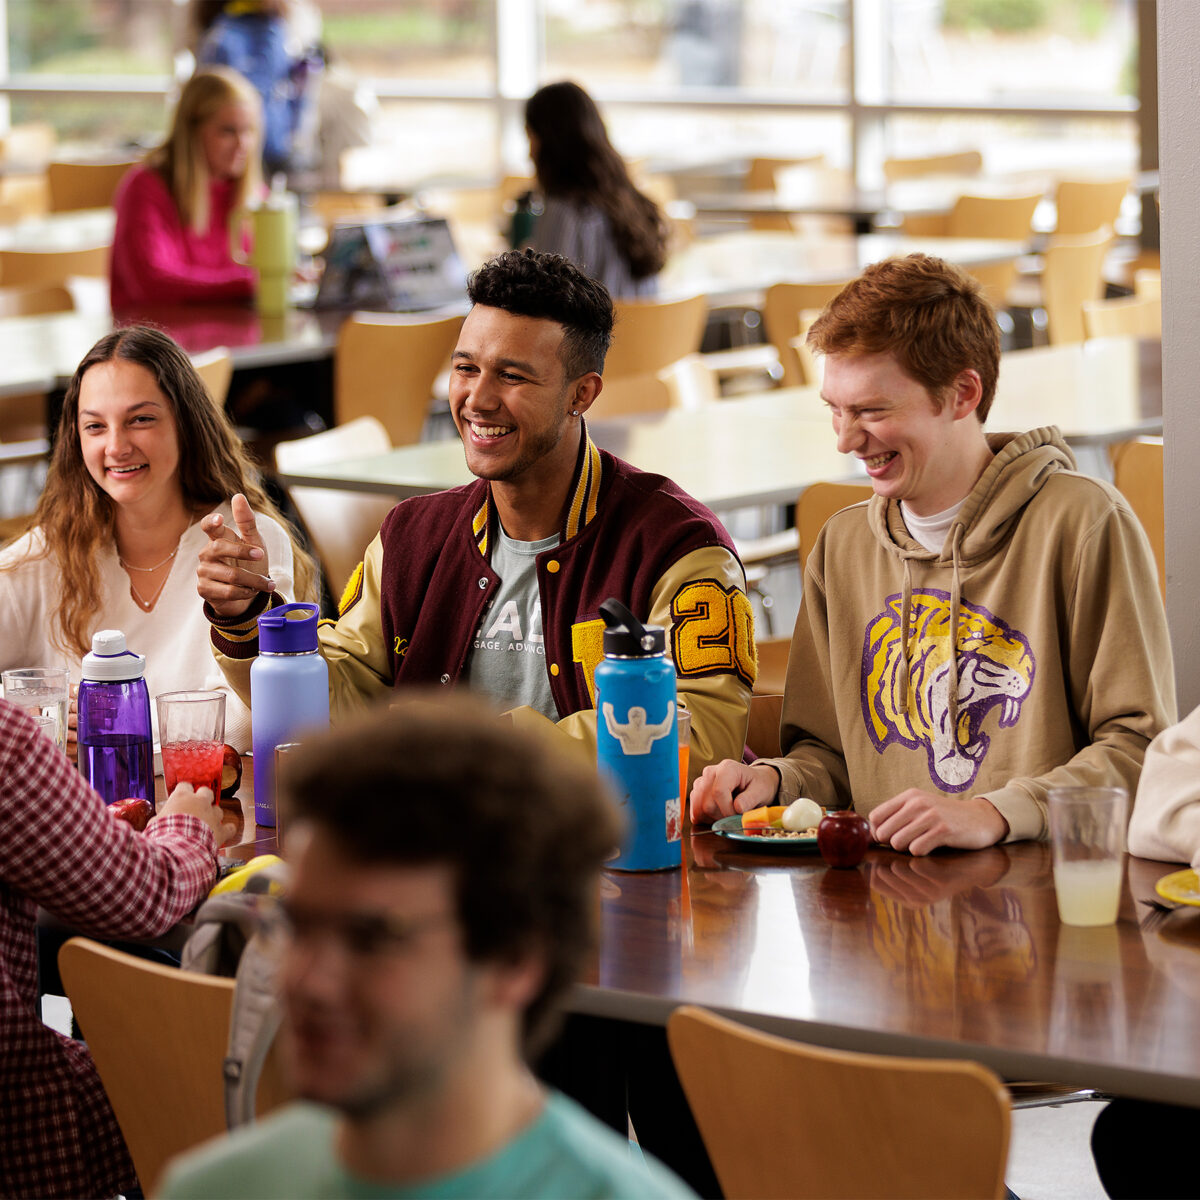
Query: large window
{"x": 691, "y": 81}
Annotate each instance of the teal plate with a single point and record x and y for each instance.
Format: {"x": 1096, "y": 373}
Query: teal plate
{"x": 731, "y": 828}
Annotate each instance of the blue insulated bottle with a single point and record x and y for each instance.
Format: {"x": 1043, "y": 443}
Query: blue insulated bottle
{"x": 289, "y": 693}
{"x": 637, "y": 744}
{"x": 116, "y": 749}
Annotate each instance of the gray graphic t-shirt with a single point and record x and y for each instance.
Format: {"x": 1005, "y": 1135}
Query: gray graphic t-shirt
{"x": 508, "y": 655}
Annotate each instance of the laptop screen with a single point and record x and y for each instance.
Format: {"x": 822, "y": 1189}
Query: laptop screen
{"x": 392, "y": 265}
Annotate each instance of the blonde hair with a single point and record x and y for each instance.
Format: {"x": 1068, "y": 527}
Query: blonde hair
{"x": 181, "y": 160}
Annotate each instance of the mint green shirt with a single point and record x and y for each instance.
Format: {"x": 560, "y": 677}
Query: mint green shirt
{"x": 564, "y": 1153}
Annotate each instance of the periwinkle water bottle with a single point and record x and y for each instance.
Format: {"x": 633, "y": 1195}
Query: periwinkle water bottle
{"x": 116, "y": 748}
{"x": 289, "y": 693}
{"x": 637, "y": 743}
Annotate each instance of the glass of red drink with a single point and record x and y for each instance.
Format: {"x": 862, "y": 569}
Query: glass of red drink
{"x": 191, "y": 733}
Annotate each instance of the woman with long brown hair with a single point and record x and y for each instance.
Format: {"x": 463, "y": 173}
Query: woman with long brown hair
{"x": 142, "y": 453}
{"x": 171, "y": 244}
{"x": 592, "y": 213}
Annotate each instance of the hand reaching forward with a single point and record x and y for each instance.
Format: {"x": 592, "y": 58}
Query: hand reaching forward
{"x": 222, "y": 576}
{"x": 919, "y": 822}
{"x": 186, "y": 799}
{"x": 731, "y": 787}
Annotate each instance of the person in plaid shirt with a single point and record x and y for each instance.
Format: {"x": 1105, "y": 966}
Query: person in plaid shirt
{"x": 62, "y": 850}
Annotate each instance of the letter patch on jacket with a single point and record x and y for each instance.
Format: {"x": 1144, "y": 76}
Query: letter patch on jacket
{"x": 712, "y": 631}
{"x": 995, "y": 667}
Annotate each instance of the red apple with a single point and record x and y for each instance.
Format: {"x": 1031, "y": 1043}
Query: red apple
{"x": 843, "y": 837}
{"x": 136, "y": 812}
{"x": 231, "y": 772}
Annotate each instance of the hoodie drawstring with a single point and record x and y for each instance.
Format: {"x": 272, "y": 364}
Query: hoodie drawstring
{"x": 955, "y": 602}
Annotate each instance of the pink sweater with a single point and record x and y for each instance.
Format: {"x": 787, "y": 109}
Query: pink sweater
{"x": 155, "y": 260}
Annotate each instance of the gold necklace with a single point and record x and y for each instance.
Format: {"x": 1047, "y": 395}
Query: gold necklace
{"x": 148, "y": 570}
{"x": 147, "y": 605}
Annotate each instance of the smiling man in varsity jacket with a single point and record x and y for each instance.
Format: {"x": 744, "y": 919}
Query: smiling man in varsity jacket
{"x": 497, "y": 584}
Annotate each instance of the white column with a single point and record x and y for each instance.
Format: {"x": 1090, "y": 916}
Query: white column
{"x": 1178, "y": 86}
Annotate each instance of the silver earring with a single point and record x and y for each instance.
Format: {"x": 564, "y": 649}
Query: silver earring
{"x": 574, "y": 412}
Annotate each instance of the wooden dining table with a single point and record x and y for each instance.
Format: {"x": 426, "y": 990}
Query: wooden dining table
{"x": 960, "y": 954}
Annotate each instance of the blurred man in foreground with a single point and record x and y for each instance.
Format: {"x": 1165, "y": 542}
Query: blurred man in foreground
{"x": 987, "y": 626}
{"x": 444, "y": 896}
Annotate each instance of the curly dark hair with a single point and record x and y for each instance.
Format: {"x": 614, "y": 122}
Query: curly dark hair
{"x": 575, "y": 160}
{"x": 524, "y": 824}
{"x": 930, "y": 314}
{"x": 551, "y": 288}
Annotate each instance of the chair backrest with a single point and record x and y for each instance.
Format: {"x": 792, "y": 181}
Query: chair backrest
{"x": 1072, "y": 273}
{"x": 649, "y": 335}
{"x": 385, "y": 367}
{"x": 963, "y": 162}
{"x": 783, "y": 304}
{"x": 24, "y": 267}
{"x": 35, "y": 299}
{"x": 762, "y": 176}
{"x": 762, "y": 730}
{"x": 1125, "y": 316}
{"x": 818, "y": 502}
{"x": 215, "y": 367}
{"x": 996, "y": 279}
{"x": 1085, "y": 205}
{"x": 340, "y": 524}
{"x": 1147, "y": 281}
{"x": 75, "y": 185}
{"x": 158, "y": 1037}
{"x": 993, "y": 216}
{"x": 1138, "y": 475}
{"x": 837, "y": 1124}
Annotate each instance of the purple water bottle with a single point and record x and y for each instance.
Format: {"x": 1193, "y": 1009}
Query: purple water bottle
{"x": 116, "y": 751}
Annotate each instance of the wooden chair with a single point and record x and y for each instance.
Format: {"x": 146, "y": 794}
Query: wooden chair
{"x": 25, "y": 195}
{"x": 215, "y": 367}
{"x": 1072, "y": 274}
{"x": 26, "y": 267}
{"x": 1147, "y": 281}
{"x": 22, "y": 475}
{"x": 762, "y": 176}
{"x": 35, "y": 299}
{"x": 385, "y": 367}
{"x": 158, "y": 1037}
{"x": 817, "y": 503}
{"x": 783, "y": 1119}
{"x": 1138, "y": 475}
{"x": 1125, "y": 316}
{"x": 340, "y": 524}
{"x": 963, "y": 162}
{"x": 688, "y": 383}
{"x": 75, "y": 185}
{"x": 652, "y": 334}
{"x": 783, "y": 307}
{"x": 1086, "y": 205}
{"x": 762, "y": 730}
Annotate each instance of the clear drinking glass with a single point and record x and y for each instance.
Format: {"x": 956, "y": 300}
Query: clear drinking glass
{"x": 41, "y": 692}
{"x": 191, "y": 733}
{"x": 1087, "y": 828}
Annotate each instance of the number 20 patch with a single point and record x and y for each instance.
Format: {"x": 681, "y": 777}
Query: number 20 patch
{"x": 712, "y": 630}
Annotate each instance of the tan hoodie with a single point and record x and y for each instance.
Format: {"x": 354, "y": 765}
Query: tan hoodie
{"x": 1063, "y": 672}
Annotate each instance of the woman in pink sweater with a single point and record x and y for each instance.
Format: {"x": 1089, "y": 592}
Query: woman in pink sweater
{"x": 171, "y": 244}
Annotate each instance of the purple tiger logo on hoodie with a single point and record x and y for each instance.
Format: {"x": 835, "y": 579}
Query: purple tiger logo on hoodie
{"x": 995, "y": 668}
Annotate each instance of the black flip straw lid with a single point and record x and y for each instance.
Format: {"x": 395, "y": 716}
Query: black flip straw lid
{"x": 626, "y": 637}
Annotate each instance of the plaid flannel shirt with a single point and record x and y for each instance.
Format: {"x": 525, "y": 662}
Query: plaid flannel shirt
{"x": 60, "y": 849}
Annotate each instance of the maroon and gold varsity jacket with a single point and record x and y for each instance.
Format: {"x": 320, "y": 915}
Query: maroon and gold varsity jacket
{"x": 411, "y": 609}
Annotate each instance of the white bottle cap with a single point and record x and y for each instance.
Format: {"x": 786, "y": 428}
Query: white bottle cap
{"x": 110, "y": 660}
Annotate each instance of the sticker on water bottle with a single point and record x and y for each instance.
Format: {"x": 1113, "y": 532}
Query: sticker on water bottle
{"x": 637, "y": 736}
{"x": 674, "y": 826}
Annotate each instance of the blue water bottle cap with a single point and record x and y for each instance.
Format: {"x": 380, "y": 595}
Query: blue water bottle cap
{"x": 110, "y": 661}
{"x": 626, "y": 637}
{"x": 288, "y": 629}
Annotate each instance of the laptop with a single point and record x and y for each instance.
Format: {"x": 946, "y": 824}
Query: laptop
{"x": 392, "y": 265}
